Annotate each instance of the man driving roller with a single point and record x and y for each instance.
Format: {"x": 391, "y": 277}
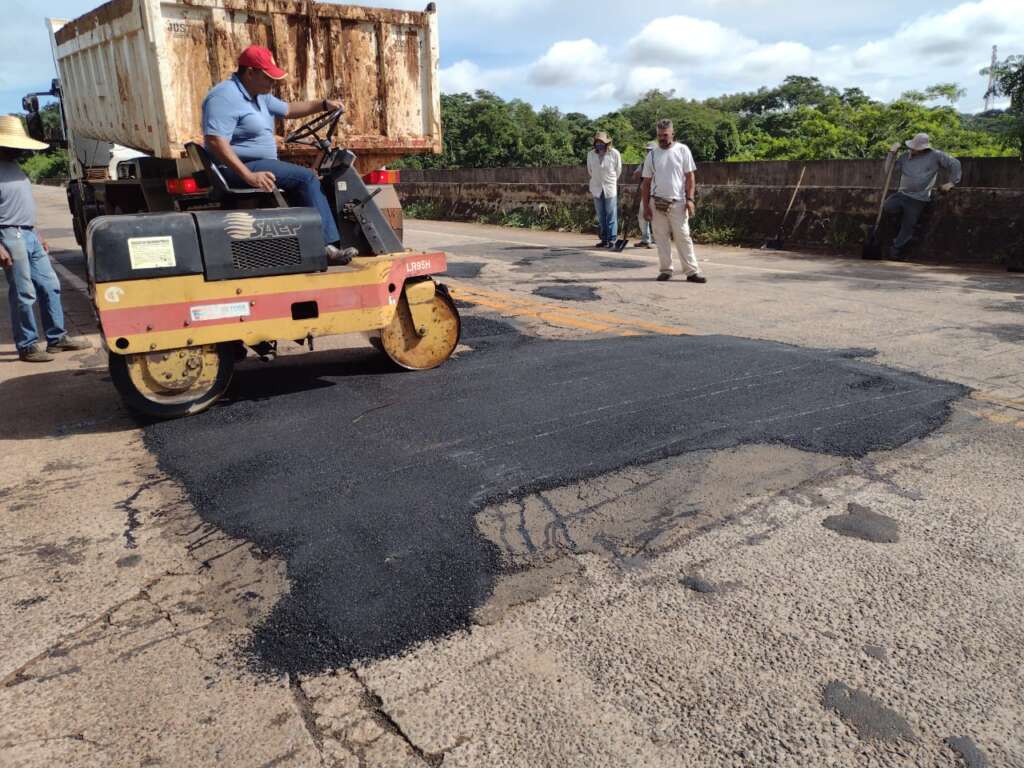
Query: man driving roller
{"x": 238, "y": 131}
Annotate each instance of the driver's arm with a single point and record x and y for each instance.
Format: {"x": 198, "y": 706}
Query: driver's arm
{"x": 306, "y": 108}
{"x": 223, "y": 153}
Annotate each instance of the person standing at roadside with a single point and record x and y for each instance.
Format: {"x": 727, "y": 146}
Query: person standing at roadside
{"x": 604, "y": 164}
{"x": 669, "y": 189}
{"x": 646, "y": 238}
{"x": 25, "y": 257}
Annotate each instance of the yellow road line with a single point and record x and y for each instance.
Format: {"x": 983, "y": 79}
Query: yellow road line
{"x": 987, "y": 398}
{"x": 511, "y": 305}
{"x": 1008, "y": 413}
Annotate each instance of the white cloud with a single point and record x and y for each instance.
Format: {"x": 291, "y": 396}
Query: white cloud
{"x": 637, "y": 81}
{"x": 570, "y": 62}
{"x": 465, "y": 77}
{"x": 686, "y": 40}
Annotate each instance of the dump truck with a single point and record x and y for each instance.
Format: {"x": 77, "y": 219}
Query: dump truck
{"x": 187, "y": 273}
{"x": 133, "y": 74}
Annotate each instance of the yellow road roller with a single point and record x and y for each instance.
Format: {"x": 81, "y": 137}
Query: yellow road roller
{"x": 181, "y": 296}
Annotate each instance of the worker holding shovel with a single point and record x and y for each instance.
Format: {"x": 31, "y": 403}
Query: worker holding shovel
{"x": 918, "y": 171}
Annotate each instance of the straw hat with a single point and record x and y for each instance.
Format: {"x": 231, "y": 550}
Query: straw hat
{"x": 602, "y": 137}
{"x": 919, "y": 142}
{"x": 13, "y": 136}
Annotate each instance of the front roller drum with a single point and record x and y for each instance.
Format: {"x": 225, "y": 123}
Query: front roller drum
{"x": 173, "y": 382}
{"x": 424, "y": 339}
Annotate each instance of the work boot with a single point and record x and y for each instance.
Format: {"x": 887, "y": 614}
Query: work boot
{"x": 67, "y": 344}
{"x": 34, "y": 354}
{"x": 663, "y": 276}
{"x": 696, "y": 279}
{"x": 339, "y": 257}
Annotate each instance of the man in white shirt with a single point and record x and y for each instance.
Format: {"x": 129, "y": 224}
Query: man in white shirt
{"x": 670, "y": 181}
{"x": 604, "y": 163}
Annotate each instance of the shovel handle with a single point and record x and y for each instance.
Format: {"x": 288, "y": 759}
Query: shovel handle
{"x": 792, "y": 199}
{"x": 885, "y": 190}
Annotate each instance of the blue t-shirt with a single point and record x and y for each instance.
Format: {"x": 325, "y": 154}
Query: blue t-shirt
{"x": 247, "y": 123}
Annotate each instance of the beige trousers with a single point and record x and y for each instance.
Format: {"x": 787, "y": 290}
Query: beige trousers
{"x": 674, "y": 225}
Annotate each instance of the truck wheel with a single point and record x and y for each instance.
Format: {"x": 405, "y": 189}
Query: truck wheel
{"x": 408, "y": 349}
{"x": 173, "y": 382}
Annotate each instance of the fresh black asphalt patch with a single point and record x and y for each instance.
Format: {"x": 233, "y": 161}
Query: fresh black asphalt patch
{"x": 367, "y": 482}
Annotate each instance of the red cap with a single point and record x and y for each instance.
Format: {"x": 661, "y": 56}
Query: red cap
{"x": 258, "y": 57}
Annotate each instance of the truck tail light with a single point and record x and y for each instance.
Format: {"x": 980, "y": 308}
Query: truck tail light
{"x": 382, "y": 177}
{"x": 185, "y": 186}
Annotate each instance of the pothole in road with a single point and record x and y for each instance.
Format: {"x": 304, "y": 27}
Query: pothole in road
{"x": 465, "y": 270}
{"x": 369, "y": 485}
{"x": 868, "y": 717}
{"x": 859, "y": 522}
{"x": 567, "y": 292}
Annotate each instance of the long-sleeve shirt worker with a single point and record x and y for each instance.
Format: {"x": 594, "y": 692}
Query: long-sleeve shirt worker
{"x": 604, "y": 172}
{"x": 918, "y": 173}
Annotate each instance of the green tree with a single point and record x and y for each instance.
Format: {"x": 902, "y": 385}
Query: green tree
{"x": 1009, "y": 81}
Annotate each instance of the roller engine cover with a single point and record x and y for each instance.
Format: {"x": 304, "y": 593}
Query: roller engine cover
{"x": 223, "y": 245}
{"x": 141, "y": 246}
{"x": 259, "y": 242}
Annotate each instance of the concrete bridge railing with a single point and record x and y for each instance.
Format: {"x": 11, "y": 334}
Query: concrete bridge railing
{"x": 981, "y": 221}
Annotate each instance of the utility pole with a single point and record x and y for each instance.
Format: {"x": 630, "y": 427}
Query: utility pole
{"x": 990, "y": 92}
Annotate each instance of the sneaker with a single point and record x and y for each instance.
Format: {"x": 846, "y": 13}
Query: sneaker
{"x": 696, "y": 279}
{"x": 34, "y": 354}
{"x": 663, "y": 276}
{"x": 642, "y": 244}
{"x": 339, "y": 257}
{"x": 67, "y": 344}
{"x": 602, "y": 244}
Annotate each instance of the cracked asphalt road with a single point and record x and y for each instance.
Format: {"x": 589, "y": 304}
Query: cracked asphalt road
{"x": 851, "y": 598}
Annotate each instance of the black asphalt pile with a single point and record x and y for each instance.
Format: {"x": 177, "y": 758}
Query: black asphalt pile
{"x": 367, "y": 482}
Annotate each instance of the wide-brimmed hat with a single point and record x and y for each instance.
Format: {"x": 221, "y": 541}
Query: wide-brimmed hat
{"x": 258, "y": 57}
{"x": 602, "y": 137}
{"x": 919, "y": 142}
{"x": 13, "y": 136}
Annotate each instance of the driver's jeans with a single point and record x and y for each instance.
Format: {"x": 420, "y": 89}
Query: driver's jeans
{"x": 301, "y": 187}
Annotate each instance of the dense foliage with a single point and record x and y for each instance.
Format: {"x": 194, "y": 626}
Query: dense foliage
{"x": 800, "y": 119}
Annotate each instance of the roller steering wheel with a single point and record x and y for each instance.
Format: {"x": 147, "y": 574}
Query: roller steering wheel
{"x": 308, "y": 133}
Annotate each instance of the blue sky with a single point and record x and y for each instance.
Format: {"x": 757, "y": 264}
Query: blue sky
{"x": 593, "y": 56}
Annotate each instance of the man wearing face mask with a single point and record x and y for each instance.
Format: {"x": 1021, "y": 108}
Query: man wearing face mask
{"x": 669, "y": 188}
{"x": 238, "y": 131}
{"x": 604, "y": 163}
